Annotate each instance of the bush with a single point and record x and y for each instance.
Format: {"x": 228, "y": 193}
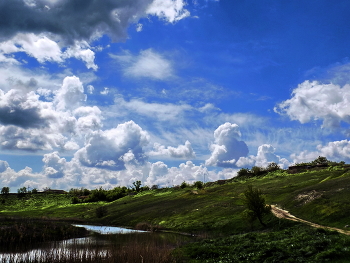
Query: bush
{"x": 198, "y": 185}
{"x": 75, "y": 200}
{"x": 255, "y": 204}
{"x": 183, "y": 185}
{"x": 101, "y": 211}
{"x": 243, "y": 172}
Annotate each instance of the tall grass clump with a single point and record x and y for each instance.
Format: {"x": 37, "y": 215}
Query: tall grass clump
{"x": 121, "y": 248}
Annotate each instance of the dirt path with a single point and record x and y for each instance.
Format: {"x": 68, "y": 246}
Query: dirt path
{"x": 280, "y": 213}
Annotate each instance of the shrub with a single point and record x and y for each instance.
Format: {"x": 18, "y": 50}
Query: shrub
{"x": 255, "y": 203}
{"x": 243, "y": 172}
{"x": 75, "y": 200}
{"x": 101, "y": 211}
{"x": 198, "y": 185}
{"x": 183, "y": 185}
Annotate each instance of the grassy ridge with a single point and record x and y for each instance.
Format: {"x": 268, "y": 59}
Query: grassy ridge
{"x": 320, "y": 196}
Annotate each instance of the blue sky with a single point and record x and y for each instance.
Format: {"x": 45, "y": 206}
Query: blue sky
{"x": 104, "y": 93}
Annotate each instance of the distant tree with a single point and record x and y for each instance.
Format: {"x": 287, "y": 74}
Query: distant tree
{"x": 255, "y": 204}
{"x": 34, "y": 191}
{"x": 183, "y": 185}
{"x": 137, "y": 186}
{"x": 154, "y": 187}
{"x": 22, "y": 191}
{"x": 271, "y": 167}
{"x": 256, "y": 170}
{"x": 243, "y": 172}
{"x": 5, "y": 190}
{"x": 198, "y": 185}
{"x": 320, "y": 160}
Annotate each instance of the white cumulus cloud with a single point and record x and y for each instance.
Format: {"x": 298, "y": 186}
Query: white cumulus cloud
{"x": 265, "y": 155}
{"x": 316, "y": 101}
{"x": 227, "y": 147}
{"x": 148, "y": 64}
{"x": 182, "y": 151}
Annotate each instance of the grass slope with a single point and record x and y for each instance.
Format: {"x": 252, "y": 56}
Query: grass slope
{"x": 320, "y": 196}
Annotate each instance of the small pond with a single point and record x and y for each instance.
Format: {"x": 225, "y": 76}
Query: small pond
{"x": 103, "y": 242}
{"x": 105, "y": 230}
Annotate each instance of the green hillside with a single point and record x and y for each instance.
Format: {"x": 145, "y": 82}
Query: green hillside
{"x": 319, "y": 195}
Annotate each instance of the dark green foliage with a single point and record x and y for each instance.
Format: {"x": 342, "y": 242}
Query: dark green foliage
{"x": 24, "y": 231}
{"x": 21, "y": 192}
{"x": 255, "y": 204}
{"x": 198, "y": 185}
{"x": 137, "y": 186}
{"x": 295, "y": 244}
{"x": 101, "y": 211}
{"x": 271, "y": 167}
{"x": 75, "y": 200}
{"x": 5, "y": 190}
{"x": 183, "y": 185}
{"x": 243, "y": 172}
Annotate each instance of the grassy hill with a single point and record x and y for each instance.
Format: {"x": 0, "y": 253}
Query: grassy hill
{"x": 318, "y": 195}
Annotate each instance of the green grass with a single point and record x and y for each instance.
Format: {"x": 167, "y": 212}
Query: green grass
{"x": 297, "y": 243}
{"x": 320, "y": 196}
{"x": 216, "y": 208}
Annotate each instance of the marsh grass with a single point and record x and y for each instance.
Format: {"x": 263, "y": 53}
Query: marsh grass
{"x": 22, "y": 234}
{"x": 149, "y": 247}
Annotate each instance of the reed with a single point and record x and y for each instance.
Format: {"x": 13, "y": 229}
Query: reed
{"x": 143, "y": 248}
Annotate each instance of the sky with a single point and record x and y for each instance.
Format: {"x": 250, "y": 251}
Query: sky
{"x": 104, "y": 93}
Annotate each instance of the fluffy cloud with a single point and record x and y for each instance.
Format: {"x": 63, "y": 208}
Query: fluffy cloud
{"x": 182, "y": 151}
{"x": 54, "y": 165}
{"x": 266, "y": 154}
{"x": 163, "y": 112}
{"x": 71, "y": 94}
{"x": 44, "y": 49}
{"x": 82, "y": 51}
{"x": 148, "y": 64}
{"x": 112, "y": 149}
{"x": 335, "y": 151}
{"x": 31, "y": 124}
{"x": 88, "y": 118}
{"x": 3, "y": 166}
{"x": 169, "y": 10}
{"x": 227, "y": 148}
{"x": 315, "y": 101}
{"x": 76, "y": 19}
{"x": 23, "y": 109}
{"x": 161, "y": 175}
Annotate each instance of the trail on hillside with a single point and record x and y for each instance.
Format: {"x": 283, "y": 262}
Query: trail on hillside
{"x": 280, "y": 213}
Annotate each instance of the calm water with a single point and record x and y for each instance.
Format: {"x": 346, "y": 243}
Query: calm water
{"x": 105, "y": 230}
{"x": 96, "y": 243}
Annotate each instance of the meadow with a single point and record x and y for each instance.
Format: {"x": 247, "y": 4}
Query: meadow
{"x": 214, "y": 214}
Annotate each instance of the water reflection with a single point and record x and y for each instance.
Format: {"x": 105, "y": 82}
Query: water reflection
{"x": 104, "y": 230}
{"x": 105, "y": 243}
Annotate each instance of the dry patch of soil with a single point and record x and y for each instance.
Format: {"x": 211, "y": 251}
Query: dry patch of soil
{"x": 280, "y": 213}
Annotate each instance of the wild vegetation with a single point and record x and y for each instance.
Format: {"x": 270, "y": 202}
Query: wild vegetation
{"x": 218, "y": 211}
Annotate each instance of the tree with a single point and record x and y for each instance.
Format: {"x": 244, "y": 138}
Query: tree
{"x": 198, "y": 185}
{"x": 5, "y": 190}
{"x": 271, "y": 167}
{"x": 137, "y": 186}
{"x": 255, "y": 203}
{"x": 22, "y": 191}
{"x": 243, "y": 172}
{"x": 320, "y": 160}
